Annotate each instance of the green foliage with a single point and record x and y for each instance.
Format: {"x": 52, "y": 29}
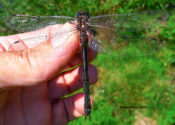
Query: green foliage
{"x": 168, "y": 32}
{"x": 124, "y": 80}
{"x": 70, "y": 7}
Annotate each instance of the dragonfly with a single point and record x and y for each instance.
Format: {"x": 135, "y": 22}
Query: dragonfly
{"x": 108, "y": 33}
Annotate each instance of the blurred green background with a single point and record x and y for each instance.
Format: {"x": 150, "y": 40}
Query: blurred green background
{"x": 130, "y": 91}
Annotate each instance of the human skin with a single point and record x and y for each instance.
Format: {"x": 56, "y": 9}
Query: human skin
{"x": 32, "y": 90}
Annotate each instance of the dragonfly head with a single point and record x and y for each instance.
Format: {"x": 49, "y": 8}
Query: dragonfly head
{"x": 82, "y": 13}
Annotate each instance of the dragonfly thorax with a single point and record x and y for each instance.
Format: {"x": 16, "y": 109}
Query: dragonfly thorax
{"x": 82, "y": 26}
{"x": 82, "y": 19}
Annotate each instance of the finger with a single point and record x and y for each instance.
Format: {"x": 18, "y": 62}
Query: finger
{"x": 40, "y": 64}
{"x": 78, "y": 57}
{"x": 27, "y": 105}
{"x": 91, "y": 54}
{"x": 68, "y": 109}
{"x": 70, "y": 82}
{"x": 26, "y": 43}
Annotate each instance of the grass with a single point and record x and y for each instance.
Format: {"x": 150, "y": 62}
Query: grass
{"x": 130, "y": 88}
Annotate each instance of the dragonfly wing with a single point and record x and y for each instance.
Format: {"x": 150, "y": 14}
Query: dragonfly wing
{"x": 118, "y": 20}
{"x": 25, "y": 23}
{"x": 115, "y": 32}
{"x": 33, "y": 40}
{"x": 96, "y": 45}
{"x": 127, "y": 49}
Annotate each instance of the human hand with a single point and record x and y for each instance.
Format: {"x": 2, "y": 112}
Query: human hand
{"x": 31, "y": 90}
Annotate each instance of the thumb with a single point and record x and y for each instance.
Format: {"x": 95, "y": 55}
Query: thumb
{"x": 39, "y": 64}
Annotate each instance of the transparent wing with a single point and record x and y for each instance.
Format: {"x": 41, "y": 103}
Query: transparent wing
{"x": 33, "y": 41}
{"x": 117, "y": 20}
{"x": 25, "y": 23}
{"x": 121, "y": 31}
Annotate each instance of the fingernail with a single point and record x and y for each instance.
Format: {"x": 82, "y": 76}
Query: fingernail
{"x": 79, "y": 105}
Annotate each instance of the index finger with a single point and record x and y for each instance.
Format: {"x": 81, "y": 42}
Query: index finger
{"x": 48, "y": 58}
{"x": 25, "y": 39}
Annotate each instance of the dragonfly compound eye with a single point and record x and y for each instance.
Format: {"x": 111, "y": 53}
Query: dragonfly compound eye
{"x": 85, "y": 13}
{"x": 77, "y": 14}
